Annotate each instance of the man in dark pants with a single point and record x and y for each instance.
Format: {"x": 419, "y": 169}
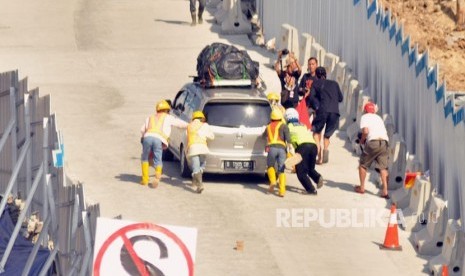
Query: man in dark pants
{"x": 328, "y": 95}
{"x": 304, "y": 144}
{"x": 193, "y": 14}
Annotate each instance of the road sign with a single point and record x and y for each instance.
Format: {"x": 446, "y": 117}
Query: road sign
{"x": 131, "y": 248}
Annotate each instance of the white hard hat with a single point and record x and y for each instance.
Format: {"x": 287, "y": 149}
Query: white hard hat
{"x": 291, "y": 113}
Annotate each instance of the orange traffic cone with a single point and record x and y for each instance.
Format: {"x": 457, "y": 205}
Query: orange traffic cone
{"x": 445, "y": 270}
{"x": 391, "y": 241}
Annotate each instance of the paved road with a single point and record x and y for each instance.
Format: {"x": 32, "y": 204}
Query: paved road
{"x": 106, "y": 63}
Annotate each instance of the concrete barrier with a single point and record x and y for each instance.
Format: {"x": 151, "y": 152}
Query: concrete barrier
{"x": 289, "y": 39}
{"x": 401, "y": 196}
{"x": 429, "y": 240}
{"x": 397, "y": 162}
{"x": 235, "y": 21}
{"x": 347, "y": 93}
{"x": 354, "y": 128}
{"x": 389, "y": 124}
{"x": 452, "y": 251}
{"x": 351, "y": 94}
{"x": 213, "y": 3}
{"x": 318, "y": 51}
{"x": 329, "y": 62}
{"x": 221, "y": 11}
{"x": 340, "y": 71}
{"x": 347, "y": 88}
{"x": 305, "y": 41}
{"x": 414, "y": 214}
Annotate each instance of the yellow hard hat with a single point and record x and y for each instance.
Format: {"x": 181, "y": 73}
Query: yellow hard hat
{"x": 163, "y": 105}
{"x": 276, "y": 115}
{"x": 198, "y": 115}
{"x": 272, "y": 96}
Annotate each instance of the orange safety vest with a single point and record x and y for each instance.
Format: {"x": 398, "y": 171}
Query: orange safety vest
{"x": 273, "y": 135}
{"x": 192, "y": 136}
{"x": 156, "y": 125}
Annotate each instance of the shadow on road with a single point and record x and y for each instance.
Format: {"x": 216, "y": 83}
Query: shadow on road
{"x": 124, "y": 177}
{"x": 344, "y": 186}
{"x": 173, "y": 22}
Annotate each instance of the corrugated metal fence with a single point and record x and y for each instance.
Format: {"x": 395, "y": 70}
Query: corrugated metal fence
{"x": 30, "y": 168}
{"x": 393, "y": 73}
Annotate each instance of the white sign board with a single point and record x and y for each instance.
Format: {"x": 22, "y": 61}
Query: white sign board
{"x": 134, "y": 248}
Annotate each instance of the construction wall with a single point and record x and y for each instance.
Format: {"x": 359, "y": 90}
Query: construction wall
{"x": 393, "y": 73}
{"x": 31, "y": 170}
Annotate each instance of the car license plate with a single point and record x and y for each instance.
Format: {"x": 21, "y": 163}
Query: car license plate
{"x": 239, "y": 165}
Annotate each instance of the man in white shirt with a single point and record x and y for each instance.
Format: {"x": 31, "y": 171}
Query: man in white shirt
{"x": 375, "y": 139}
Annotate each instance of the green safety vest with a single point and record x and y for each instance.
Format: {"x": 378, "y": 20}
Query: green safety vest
{"x": 300, "y": 134}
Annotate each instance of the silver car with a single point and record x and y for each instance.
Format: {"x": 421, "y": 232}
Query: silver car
{"x": 238, "y": 116}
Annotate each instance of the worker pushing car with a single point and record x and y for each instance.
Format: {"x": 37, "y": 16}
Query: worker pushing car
{"x": 198, "y": 131}
{"x": 155, "y": 133}
{"x": 304, "y": 144}
{"x": 278, "y": 141}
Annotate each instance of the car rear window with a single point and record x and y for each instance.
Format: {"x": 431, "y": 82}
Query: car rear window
{"x": 248, "y": 114}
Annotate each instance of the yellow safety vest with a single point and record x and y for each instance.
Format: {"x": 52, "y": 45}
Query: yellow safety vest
{"x": 156, "y": 125}
{"x": 192, "y": 134}
{"x": 300, "y": 135}
{"x": 273, "y": 138}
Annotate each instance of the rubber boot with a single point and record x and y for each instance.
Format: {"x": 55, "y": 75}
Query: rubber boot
{"x": 200, "y": 18}
{"x": 272, "y": 177}
{"x": 282, "y": 184}
{"x": 158, "y": 172}
{"x": 198, "y": 182}
{"x": 145, "y": 173}
{"x": 194, "y": 19}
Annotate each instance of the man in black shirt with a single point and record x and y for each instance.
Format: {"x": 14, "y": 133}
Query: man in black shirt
{"x": 309, "y": 77}
{"x": 328, "y": 95}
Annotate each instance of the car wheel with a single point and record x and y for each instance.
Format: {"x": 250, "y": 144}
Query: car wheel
{"x": 167, "y": 155}
{"x": 185, "y": 171}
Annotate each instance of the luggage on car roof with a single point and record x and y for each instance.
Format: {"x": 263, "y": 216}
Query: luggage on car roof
{"x": 220, "y": 61}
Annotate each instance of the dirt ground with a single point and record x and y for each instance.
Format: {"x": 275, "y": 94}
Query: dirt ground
{"x": 431, "y": 24}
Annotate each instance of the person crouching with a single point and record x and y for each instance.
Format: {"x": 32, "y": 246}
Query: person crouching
{"x": 304, "y": 144}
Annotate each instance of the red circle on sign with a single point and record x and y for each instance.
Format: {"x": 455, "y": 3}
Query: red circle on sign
{"x": 147, "y": 226}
